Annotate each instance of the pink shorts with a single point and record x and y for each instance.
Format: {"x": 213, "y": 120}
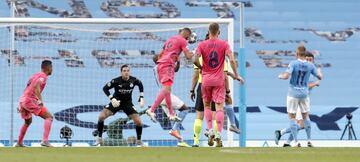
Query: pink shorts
{"x": 29, "y": 107}
{"x": 166, "y": 74}
{"x": 213, "y": 93}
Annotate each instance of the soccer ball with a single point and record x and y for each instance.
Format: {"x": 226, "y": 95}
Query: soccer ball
{"x": 192, "y": 38}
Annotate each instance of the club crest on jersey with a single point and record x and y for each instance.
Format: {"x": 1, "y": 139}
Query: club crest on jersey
{"x": 131, "y": 85}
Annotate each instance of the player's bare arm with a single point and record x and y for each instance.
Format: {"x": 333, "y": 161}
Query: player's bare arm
{"x": 314, "y": 84}
{"x": 233, "y": 67}
{"x": 320, "y": 75}
{"x": 284, "y": 76}
{"x": 38, "y": 92}
{"x": 197, "y": 62}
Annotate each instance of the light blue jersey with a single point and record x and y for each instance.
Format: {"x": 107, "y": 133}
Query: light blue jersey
{"x": 311, "y": 80}
{"x": 300, "y": 72}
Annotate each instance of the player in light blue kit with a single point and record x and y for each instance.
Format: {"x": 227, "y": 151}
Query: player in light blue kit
{"x": 299, "y": 72}
{"x": 313, "y": 82}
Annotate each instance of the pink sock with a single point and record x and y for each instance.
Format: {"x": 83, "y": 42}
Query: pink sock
{"x": 160, "y": 97}
{"x": 219, "y": 120}
{"x": 208, "y": 117}
{"x": 47, "y": 127}
{"x": 168, "y": 103}
{"x": 23, "y": 130}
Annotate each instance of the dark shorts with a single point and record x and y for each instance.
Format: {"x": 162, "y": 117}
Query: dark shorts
{"x": 199, "y": 104}
{"x": 127, "y": 108}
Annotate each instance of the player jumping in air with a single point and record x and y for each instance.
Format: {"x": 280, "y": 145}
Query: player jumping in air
{"x": 213, "y": 52}
{"x": 166, "y": 70}
{"x": 313, "y": 82}
{"x": 31, "y": 103}
{"x": 121, "y": 99}
{"x": 299, "y": 72}
{"x": 177, "y": 104}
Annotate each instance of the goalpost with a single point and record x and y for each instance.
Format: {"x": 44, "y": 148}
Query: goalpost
{"x": 86, "y": 54}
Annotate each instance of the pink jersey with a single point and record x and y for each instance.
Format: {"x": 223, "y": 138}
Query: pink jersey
{"x": 29, "y": 92}
{"x": 213, "y": 53}
{"x": 172, "y": 49}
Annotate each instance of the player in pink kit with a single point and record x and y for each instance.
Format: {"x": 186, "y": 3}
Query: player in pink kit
{"x": 31, "y": 103}
{"x": 166, "y": 65}
{"x": 213, "y": 52}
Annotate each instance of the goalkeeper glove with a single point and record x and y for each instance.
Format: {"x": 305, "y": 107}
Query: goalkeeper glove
{"x": 114, "y": 101}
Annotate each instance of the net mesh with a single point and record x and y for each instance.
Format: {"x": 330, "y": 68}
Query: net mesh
{"x": 85, "y": 57}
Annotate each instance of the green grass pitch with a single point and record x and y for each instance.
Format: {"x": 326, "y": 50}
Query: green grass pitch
{"x": 166, "y": 154}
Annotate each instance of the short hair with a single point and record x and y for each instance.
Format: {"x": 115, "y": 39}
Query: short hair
{"x": 214, "y": 28}
{"x": 124, "y": 66}
{"x": 186, "y": 29}
{"x": 45, "y": 64}
{"x": 309, "y": 54}
{"x": 301, "y": 50}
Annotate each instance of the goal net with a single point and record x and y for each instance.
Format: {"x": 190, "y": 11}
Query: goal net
{"x": 86, "y": 54}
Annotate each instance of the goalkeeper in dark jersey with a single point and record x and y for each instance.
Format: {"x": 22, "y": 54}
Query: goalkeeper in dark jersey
{"x": 121, "y": 99}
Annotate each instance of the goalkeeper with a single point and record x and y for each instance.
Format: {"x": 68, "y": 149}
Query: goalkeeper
{"x": 122, "y": 100}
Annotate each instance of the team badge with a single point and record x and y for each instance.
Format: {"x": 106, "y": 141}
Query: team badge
{"x": 131, "y": 85}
